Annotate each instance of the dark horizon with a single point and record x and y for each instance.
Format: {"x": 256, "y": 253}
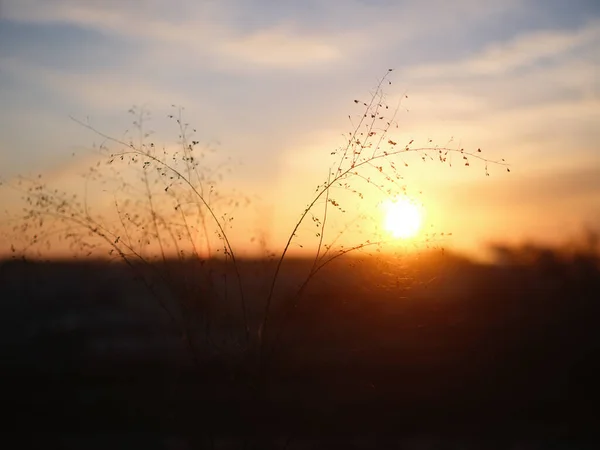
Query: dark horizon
{"x": 454, "y": 350}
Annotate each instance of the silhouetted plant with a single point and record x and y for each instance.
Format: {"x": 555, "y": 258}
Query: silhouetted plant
{"x": 165, "y": 205}
{"x": 169, "y": 205}
{"x": 369, "y": 159}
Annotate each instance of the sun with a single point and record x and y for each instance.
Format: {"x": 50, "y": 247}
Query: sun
{"x": 403, "y": 217}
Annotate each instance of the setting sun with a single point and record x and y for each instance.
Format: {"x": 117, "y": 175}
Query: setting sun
{"x": 403, "y": 218}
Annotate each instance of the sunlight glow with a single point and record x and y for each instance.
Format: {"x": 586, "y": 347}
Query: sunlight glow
{"x": 403, "y": 217}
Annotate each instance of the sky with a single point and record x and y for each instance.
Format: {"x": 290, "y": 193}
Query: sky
{"x": 270, "y": 84}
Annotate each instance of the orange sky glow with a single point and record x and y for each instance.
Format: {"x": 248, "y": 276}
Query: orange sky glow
{"x": 273, "y": 96}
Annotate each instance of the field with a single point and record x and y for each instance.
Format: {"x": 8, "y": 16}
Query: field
{"x": 424, "y": 351}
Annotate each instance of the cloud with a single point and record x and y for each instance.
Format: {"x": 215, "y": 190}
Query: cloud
{"x": 280, "y": 47}
{"x": 191, "y": 30}
{"x": 232, "y": 35}
{"x": 98, "y": 90}
{"x": 521, "y": 51}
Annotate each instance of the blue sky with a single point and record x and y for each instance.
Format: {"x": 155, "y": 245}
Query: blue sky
{"x": 273, "y": 82}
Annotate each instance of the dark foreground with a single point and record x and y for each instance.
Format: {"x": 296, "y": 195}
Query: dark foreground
{"x": 433, "y": 352}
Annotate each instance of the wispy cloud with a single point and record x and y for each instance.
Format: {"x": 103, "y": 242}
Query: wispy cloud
{"x": 97, "y": 91}
{"x": 280, "y": 47}
{"x": 522, "y": 51}
{"x": 192, "y": 30}
{"x": 263, "y": 33}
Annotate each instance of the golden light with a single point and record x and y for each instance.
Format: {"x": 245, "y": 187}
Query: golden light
{"x": 403, "y": 217}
